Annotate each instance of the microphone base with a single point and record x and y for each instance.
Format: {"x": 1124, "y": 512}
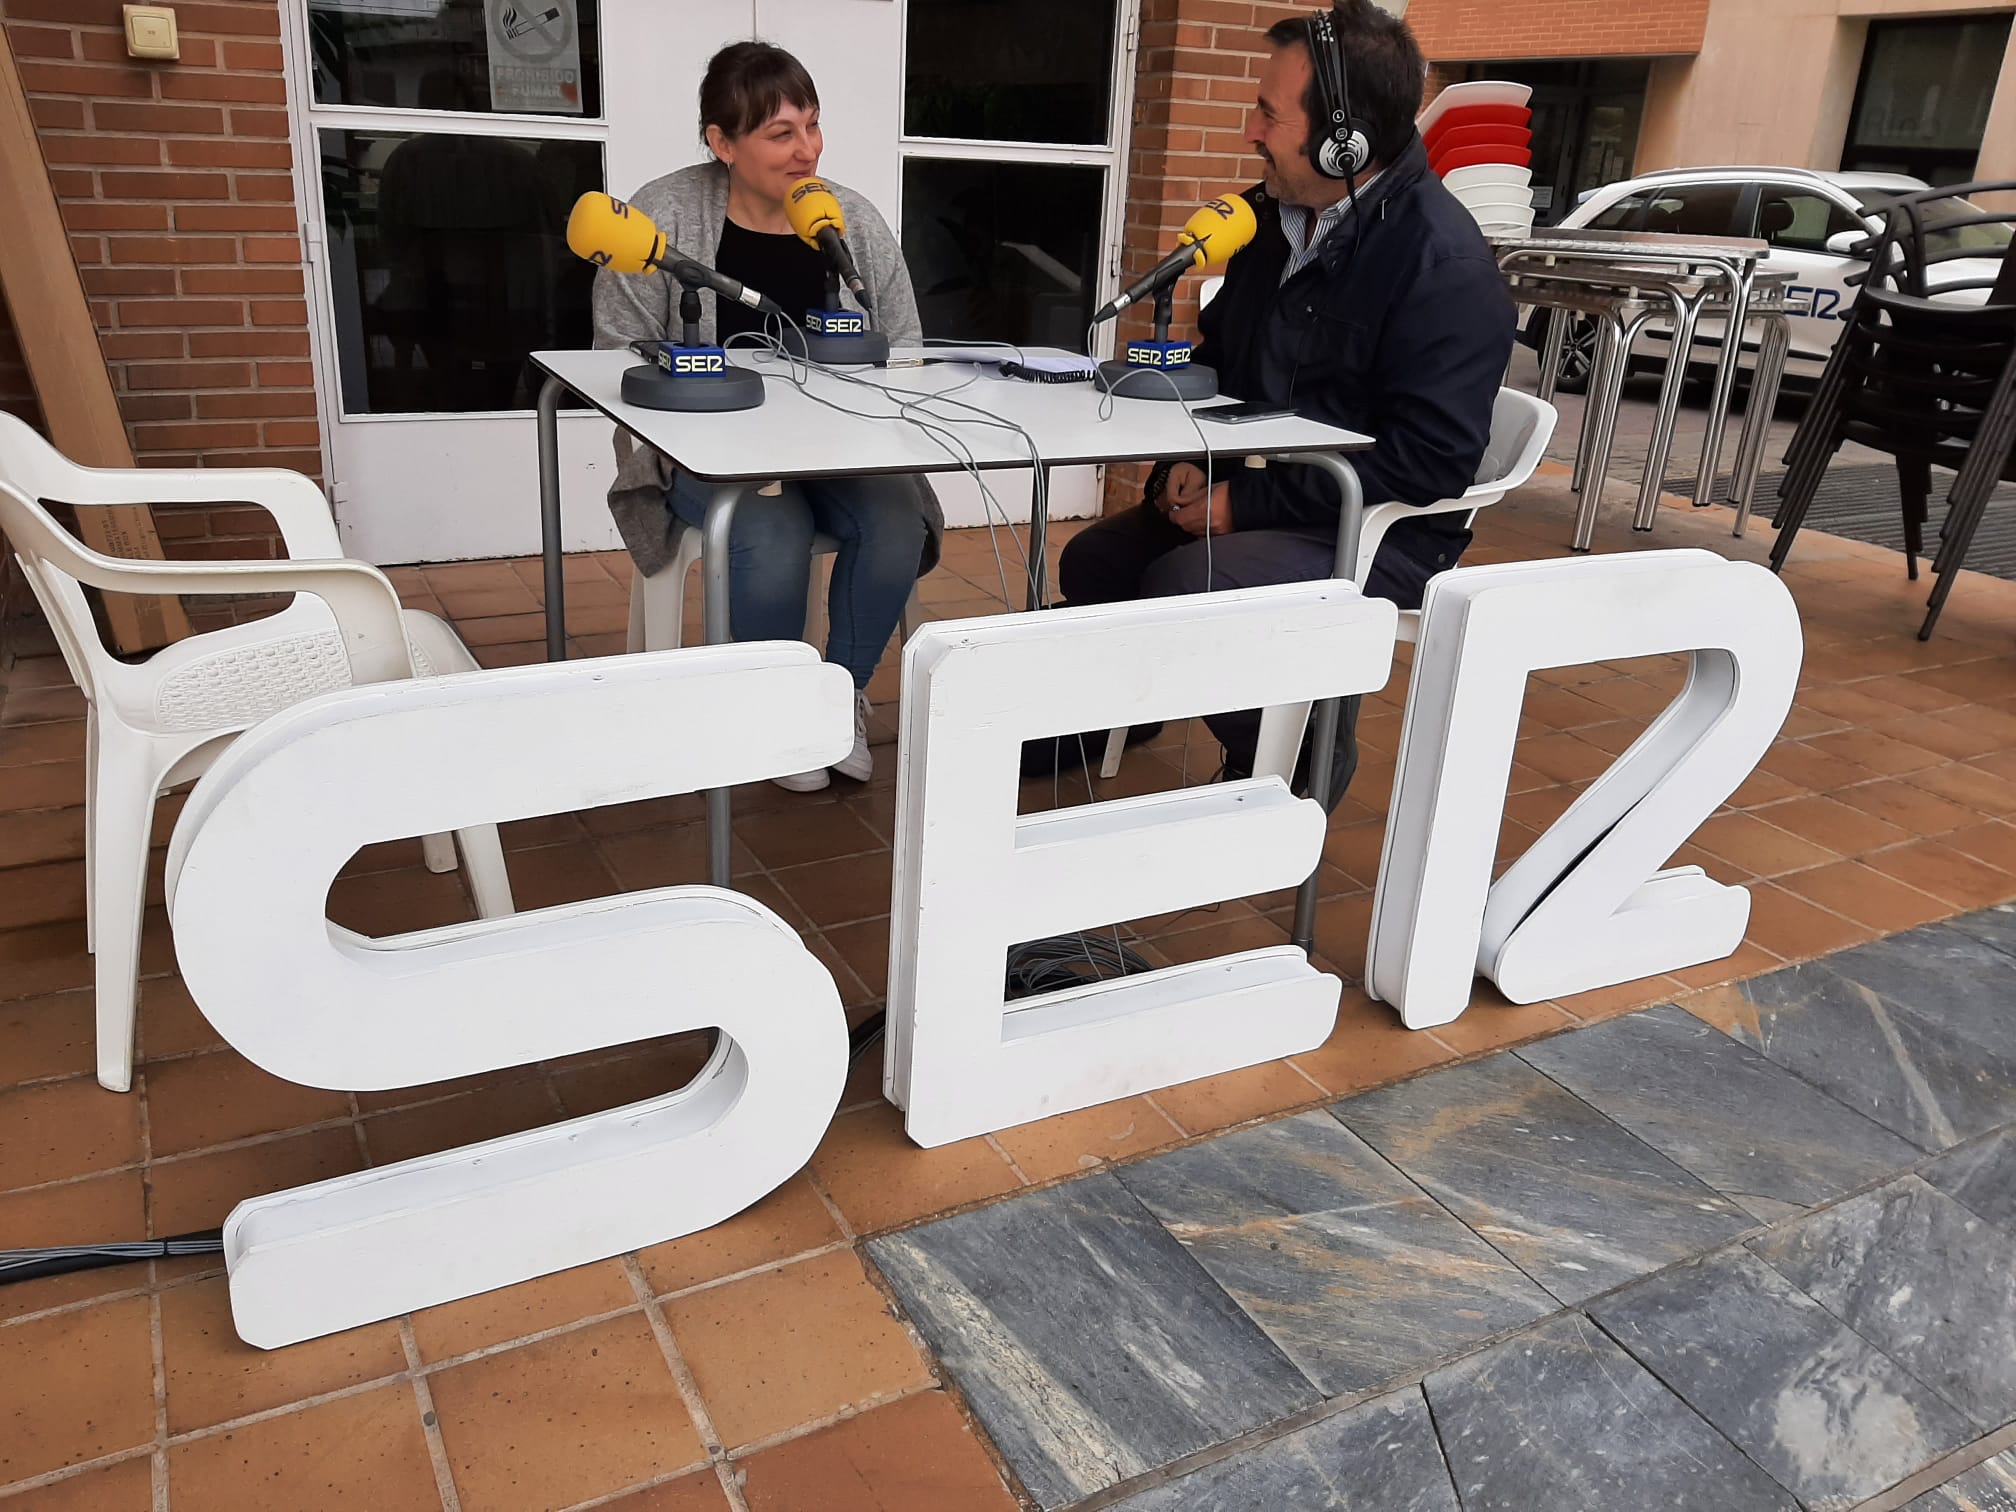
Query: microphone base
{"x": 871, "y": 347}
{"x": 649, "y": 386}
{"x": 1186, "y": 383}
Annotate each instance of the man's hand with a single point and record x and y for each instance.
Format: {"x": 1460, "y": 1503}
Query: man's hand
{"x": 1184, "y": 501}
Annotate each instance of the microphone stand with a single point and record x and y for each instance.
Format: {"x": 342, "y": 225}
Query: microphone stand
{"x": 1175, "y": 375}
{"x": 687, "y": 376}
{"x": 837, "y": 335}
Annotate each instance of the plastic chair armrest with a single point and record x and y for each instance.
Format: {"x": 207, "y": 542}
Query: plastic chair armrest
{"x": 295, "y": 503}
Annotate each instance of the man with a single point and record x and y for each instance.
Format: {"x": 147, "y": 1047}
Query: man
{"x": 1370, "y": 301}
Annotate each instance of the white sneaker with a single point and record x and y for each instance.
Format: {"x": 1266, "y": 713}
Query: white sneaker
{"x": 804, "y": 782}
{"x": 859, "y": 763}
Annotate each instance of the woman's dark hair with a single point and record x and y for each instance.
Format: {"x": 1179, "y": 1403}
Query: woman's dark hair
{"x": 1387, "y": 72}
{"x": 749, "y": 82}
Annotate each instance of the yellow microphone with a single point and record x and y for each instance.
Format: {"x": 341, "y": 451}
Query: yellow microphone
{"x": 618, "y": 236}
{"x": 1215, "y": 230}
{"x": 612, "y": 234}
{"x": 815, "y": 214}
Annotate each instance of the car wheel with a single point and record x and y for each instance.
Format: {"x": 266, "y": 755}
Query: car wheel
{"x": 1578, "y": 356}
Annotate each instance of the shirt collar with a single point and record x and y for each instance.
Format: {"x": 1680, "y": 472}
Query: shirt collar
{"x": 1305, "y": 230}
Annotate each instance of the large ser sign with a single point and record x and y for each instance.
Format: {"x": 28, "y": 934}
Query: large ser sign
{"x": 267, "y": 830}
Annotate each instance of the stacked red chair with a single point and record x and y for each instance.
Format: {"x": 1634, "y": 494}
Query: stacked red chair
{"x": 1479, "y": 137}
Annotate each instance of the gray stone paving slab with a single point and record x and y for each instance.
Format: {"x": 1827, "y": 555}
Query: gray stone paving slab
{"x": 1948, "y": 974}
{"x": 1923, "y": 1279}
{"x": 1832, "y": 1418}
{"x": 1355, "y": 1272}
{"x": 1749, "y": 1128}
{"x": 1989, "y": 1487}
{"x": 1089, "y": 1343}
{"x": 1992, "y": 926}
{"x": 1378, "y": 1457}
{"x": 1571, "y": 1198}
{"x": 1981, "y": 1177}
{"x": 1901, "y": 1067}
{"x": 1559, "y": 1419}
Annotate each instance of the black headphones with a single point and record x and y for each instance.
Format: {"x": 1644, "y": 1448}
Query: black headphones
{"x": 1344, "y": 148}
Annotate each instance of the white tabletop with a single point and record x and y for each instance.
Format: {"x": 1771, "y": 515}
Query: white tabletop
{"x": 793, "y": 435}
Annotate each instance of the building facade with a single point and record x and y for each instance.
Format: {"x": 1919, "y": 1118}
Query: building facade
{"x": 326, "y": 235}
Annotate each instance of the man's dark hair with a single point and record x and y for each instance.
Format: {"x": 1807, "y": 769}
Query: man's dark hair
{"x": 749, "y": 82}
{"x": 1387, "y": 73}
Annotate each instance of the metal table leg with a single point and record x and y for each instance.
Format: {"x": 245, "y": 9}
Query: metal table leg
{"x": 1686, "y": 315}
{"x": 549, "y": 518}
{"x": 1350, "y": 516}
{"x": 1551, "y": 351}
{"x": 1599, "y": 426}
{"x": 714, "y": 577}
{"x": 1725, "y": 386}
{"x": 1039, "y": 537}
{"x": 1758, "y": 414}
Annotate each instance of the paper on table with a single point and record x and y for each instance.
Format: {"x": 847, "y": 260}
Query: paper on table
{"x": 1033, "y": 360}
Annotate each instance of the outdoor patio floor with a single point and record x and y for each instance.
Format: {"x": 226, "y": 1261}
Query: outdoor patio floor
{"x": 770, "y": 1363}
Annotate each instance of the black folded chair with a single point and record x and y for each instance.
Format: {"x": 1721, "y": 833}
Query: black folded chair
{"x": 1922, "y": 373}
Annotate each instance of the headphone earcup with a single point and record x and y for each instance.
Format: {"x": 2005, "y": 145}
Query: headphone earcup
{"x": 1343, "y": 156}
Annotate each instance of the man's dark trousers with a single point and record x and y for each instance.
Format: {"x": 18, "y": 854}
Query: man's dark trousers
{"x": 1143, "y": 554}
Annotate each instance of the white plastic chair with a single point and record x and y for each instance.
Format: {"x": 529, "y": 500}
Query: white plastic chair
{"x": 1521, "y": 427}
{"x": 658, "y": 602}
{"x": 164, "y": 721}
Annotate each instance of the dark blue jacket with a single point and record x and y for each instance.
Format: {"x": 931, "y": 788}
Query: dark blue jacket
{"x": 1401, "y": 327}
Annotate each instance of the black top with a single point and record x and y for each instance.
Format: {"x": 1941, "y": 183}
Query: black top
{"x": 773, "y": 263}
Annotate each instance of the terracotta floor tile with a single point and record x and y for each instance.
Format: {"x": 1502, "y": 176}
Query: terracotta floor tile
{"x": 1855, "y": 705}
{"x": 1948, "y": 874}
{"x": 530, "y": 1307}
{"x": 57, "y": 1130}
{"x": 1910, "y": 807}
{"x": 96, "y": 1210}
{"x": 1761, "y": 849}
{"x": 1355, "y": 849}
{"x": 1837, "y": 826}
{"x": 363, "y": 1451}
{"x": 1369, "y": 1047}
{"x": 392, "y": 903}
{"x": 794, "y": 839}
{"x": 36, "y": 835}
{"x": 214, "y": 1376}
{"x": 1996, "y": 721}
{"x": 1883, "y": 754}
{"x": 403, "y": 1097}
{"x": 854, "y": 993}
{"x": 501, "y": 629}
{"x": 1538, "y": 809}
{"x": 790, "y": 1346}
{"x": 1983, "y": 792}
{"x": 698, "y": 1492}
{"x": 865, "y": 949}
{"x": 668, "y": 856}
{"x": 1994, "y": 843}
{"x": 1858, "y": 892}
{"x": 90, "y": 1390}
{"x": 631, "y": 1074}
{"x": 506, "y": 1107}
{"x": 1940, "y": 733}
{"x": 1910, "y": 693}
{"x": 1976, "y": 680}
{"x": 1563, "y": 708}
{"x": 1490, "y": 1022}
{"x": 551, "y": 875}
{"x": 170, "y": 1021}
{"x": 1997, "y": 763}
{"x": 46, "y": 1037}
{"x": 840, "y": 892}
{"x": 1813, "y": 770}
{"x": 1232, "y": 1097}
{"x": 127, "y": 1486}
{"x": 1751, "y": 959}
{"x": 48, "y": 785}
{"x": 878, "y": 1178}
{"x": 788, "y": 1222}
{"x": 30, "y": 745}
{"x": 45, "y": 894}
{"x": 1629, "y": 697}
{"x": 199, "y": 1191}
{"x": 1762, "y": 787}
{"x": 916, "y": 1455}
{"x": 1625, "y": 997}
{"x": 575, "y": 1416}
{"x": 1794, "y": 930}
{"x": 1219, "y": 937}
{"x": 213, "y": 1099}
{"x": 1087, "y": 1138}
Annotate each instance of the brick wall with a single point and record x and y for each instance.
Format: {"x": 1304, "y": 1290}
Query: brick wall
{"x": 175, "y": 184}
{"x": 1455, "y": 30}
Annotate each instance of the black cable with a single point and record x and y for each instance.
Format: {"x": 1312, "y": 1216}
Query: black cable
{"x": 66, "y": 1259}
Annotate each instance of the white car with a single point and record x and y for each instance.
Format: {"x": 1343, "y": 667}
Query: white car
{"x": 1810, "y": 220}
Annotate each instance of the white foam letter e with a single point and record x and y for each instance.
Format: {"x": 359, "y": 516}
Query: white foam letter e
{"x": 973, "y": 877}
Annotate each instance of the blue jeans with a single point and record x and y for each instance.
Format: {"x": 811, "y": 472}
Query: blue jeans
{"x": 881, "y": 534}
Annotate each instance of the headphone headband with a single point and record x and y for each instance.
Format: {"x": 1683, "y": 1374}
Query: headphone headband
{"x": 1340, "y": 144}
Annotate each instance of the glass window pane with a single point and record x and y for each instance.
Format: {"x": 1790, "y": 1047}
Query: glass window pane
{"x": 519, "y": 57}
{"x": 985, "y": 269}
{"x": 1800, "y": 220}
{"x": 1695, "y": 210}
{"x": 1010, "y": 70}
{"x": 1628, "y": 214}
{"x": 448, "y": 263}
{"x": 1929, "y": 85}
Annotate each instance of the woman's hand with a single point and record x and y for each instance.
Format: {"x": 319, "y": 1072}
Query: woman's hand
{"x": 1184, "y": 501}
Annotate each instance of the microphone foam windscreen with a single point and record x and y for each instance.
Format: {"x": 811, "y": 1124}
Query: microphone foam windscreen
{"x": 811, "y": 208}
{"x": 1221, "y": 227}
{"x": 612, "y": 234}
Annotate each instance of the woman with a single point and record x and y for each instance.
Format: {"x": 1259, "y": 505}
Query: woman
{"x": 759, "y": 118}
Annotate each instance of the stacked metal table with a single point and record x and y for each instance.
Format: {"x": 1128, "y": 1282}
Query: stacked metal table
{"x": 1623, "y": 281}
